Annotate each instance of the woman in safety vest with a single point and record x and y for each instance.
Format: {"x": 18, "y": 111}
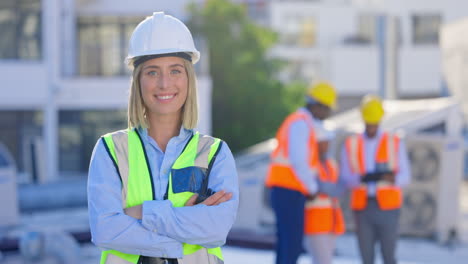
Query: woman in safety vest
{"x": 375, "y": 165}
{"x": 323, "y": 217}
{"x": 158, "y": 191}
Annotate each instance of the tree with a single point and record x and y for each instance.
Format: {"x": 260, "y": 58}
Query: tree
{"x": 248, "y": 103}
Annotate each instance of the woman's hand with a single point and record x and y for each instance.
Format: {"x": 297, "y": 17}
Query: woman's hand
{"x": 215, "y": 199}
{"x": 134, "y": 211}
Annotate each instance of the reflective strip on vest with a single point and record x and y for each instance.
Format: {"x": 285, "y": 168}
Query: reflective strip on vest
{"x": 198, "y": 152}
{"x": 113, "y": 259}
{"x": 280, "y": 172}
{"x": 323, "y": 214}
{"x": 280, "y": 159}
{"x": 118, "y": 145}
{"x": 128, "y": 153}
{"x": 388, "y": 195}
{"x": 319, "y": 202}
{"x": 199, "y": 257}
{"x": 392, "y": 144}
{"x": 355, "y": 160}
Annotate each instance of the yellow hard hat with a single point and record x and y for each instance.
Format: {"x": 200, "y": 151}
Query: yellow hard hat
{"x": 323, "y": 93}
{"x": 372, "y": 109}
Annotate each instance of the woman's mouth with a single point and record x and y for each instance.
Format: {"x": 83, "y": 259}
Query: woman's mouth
{"x": 165, "y": 97}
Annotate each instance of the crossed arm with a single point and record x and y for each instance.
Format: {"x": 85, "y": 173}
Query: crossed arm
{"x": 215, "y": 199}
{"x": 156, "y": 228}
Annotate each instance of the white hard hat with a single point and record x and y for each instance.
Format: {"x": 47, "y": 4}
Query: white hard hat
{"x": 161, "y": 34}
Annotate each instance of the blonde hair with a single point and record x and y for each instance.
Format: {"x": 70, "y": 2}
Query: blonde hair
{"x": 137, "y": 109}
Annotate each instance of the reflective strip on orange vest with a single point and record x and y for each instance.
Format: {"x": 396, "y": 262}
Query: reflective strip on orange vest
{"x": 322, "y": 201}
{"x": 388, "y": 195}
{"x": 280, "y": 172}
{"x": 323, "y": 214}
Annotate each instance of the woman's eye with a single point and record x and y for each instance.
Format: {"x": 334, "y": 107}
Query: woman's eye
{"x": 152, "y": 73}
{"x": 175, "y": 71}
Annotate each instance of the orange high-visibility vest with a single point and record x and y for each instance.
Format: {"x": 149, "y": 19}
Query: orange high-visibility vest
{"x": 388, "y": 195}
{"x": 280, "y": 172}
{"x": 323, "y": 214}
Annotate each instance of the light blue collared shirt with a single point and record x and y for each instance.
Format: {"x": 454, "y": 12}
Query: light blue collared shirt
{"x": 163, "y": 228}
{"x": 402, "y": 178}
{"x": 299, "y": 151}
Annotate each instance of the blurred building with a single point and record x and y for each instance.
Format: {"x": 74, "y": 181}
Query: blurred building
{"x": 63, "y": 80}
{"x": 389, "y": 47}
{"x": 257, "y": 10}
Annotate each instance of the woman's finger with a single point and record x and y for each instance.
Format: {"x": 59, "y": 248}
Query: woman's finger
{"x": 226, "y": 197}
{"x": 213, "y": 198}
{"x": 192, "y": 200}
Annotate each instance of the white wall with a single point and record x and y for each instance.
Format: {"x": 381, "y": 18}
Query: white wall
{"x": 93, "y": 93}
{"x": 420, "y": 71}
{"x": 419, "y": 66}
{"x": 24, "y": 85}
{"x": 205, "y": 87}
{"x": 355, "y": 69}
{"x": 176, "y": 8}
{"x": 112, "y": 93}
{"x": 333, "y": 21}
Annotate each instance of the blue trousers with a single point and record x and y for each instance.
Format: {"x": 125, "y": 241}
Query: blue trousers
{"x": 288, "y": 206}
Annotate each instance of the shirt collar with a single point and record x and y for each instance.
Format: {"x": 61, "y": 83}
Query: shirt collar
{"x": 183, "y": 134}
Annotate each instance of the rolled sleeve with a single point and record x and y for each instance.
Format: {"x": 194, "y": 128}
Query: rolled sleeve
{"x": 110, "y": 227}
{"x": 203, "y": 225}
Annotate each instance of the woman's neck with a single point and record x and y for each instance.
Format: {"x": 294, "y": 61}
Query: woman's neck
{"x": 163, "y": 128}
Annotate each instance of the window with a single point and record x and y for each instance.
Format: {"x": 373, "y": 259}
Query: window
{"x": 20, "y": 27}
{"x": 300, "y": 70}
{"x": 299, "y": 31}
{"x": 256, "y": 9}
{"x": 426, "y": 29}
{"x": 103, "y": 44}
{"x": 17, "y": 131}
{"x": 78, "y": 133}
{"x": 367, "y": 29}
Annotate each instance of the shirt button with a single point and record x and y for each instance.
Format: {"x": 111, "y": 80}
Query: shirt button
{"x": 154, "y": 230}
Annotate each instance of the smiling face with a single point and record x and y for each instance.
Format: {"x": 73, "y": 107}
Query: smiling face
{"x": 164, "y": 86}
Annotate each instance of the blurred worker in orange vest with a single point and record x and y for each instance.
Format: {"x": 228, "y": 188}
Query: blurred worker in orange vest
{"x": 323, "y": 217}
{"x": 375, "y": 165}
{"x": 292, "y": 175}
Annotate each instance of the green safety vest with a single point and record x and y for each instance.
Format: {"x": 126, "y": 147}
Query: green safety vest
{"x": 127, "y": 151}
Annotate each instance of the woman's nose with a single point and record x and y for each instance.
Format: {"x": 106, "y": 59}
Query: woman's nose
{"x": 163, "y": 81}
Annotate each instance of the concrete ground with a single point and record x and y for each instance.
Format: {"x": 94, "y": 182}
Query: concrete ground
{"x": 75, "y": 220}
{"x": 410, "y": 251}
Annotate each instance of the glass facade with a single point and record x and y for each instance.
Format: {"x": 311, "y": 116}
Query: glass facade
{"x": 426, "y": 28}
{"x": 20, "y": 131}
{"x": 79, "y": 132}
{"x": 299, "y": 31}
{"x": 367, "y": 29}
{"x": 103, "y": 44}
{"x": 20, "y": 28}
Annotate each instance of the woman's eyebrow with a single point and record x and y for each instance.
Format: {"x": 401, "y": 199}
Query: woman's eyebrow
{"x": 151, "y": 66}
{"x": 177, "y": 64}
